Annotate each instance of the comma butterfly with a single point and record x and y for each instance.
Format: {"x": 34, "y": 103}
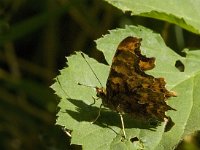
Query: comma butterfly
{"x": 129, "y": 89}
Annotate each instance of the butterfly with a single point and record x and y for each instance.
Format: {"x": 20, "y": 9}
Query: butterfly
{"x": 129, "y": 90}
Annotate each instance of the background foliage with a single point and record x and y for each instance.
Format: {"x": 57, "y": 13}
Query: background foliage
{"x": 34, "y": 38}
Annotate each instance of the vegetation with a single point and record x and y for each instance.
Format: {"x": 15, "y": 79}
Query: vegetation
{"x": 35, "y": 37}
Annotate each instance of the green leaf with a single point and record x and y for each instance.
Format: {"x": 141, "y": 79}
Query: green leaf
{"x": 77, "y": 109}
{"x": 184, "y": 13}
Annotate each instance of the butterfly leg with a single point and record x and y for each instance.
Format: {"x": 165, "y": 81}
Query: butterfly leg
{"x": 122, "y": 121}
{"x": 99, "y": 113}
{"x": 94, "y": 100}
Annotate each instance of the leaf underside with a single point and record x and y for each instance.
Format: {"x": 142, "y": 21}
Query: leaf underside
{"x": 184, "y": 13}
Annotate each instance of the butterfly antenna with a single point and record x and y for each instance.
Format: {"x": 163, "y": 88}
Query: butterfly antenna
{"x": 61, "y": 87}
{"x": 86, "y": 85}
{"x": 91, "y": 69}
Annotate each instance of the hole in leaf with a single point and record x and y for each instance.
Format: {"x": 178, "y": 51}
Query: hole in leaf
{"x": 180, "y": 66}
{"x": 134, "y": 139}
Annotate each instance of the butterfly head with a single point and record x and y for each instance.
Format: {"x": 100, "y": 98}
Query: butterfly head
{"x": 101, "y": 92}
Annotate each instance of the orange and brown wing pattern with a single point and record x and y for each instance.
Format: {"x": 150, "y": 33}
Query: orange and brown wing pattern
{"x": 129, "y": 89}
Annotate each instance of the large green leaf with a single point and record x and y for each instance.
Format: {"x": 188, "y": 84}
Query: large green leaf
{"x": 77, "y": 112}
{"x": 185, "y": 13}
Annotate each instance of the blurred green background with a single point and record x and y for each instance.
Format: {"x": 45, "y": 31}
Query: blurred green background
{"x": 35, "y": 37}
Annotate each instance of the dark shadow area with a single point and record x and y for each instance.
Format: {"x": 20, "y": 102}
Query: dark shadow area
{"x": 107, "y": 117}
{"x": 169, "y": 125}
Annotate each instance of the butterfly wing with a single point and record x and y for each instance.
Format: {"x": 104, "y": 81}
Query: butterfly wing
{"x": 129, "y": 89}
{"x": 121, "y": 71}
